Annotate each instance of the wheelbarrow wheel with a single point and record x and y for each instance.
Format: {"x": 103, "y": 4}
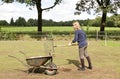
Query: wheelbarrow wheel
{"x": 51, "y": 69}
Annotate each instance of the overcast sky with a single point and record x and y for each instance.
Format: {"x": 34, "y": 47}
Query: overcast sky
{"x": 62, "y": 12}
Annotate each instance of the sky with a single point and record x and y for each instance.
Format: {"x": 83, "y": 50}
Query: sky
{"x": 62, "y": 12}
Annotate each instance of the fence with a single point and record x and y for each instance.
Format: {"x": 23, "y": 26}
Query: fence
{"x": 38, "y": 36}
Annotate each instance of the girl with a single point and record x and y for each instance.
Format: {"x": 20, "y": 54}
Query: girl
{"x": 80, "y": 37}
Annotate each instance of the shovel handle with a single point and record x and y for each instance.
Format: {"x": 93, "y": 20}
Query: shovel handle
{"x": 73, "y": 44}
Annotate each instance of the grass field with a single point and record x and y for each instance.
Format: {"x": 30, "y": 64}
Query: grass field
{"x": 105, "y": 60}
{"x": 104, "y": 55}
{"x": 55, "y": 28}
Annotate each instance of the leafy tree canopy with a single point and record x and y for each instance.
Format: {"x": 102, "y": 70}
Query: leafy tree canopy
{"x": 104, "y": 6}
{"x": 110, "y": 6}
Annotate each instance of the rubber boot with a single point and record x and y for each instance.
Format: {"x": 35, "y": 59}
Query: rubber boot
{"x": 83, "y": 65}
{"x": 89, "y": 63}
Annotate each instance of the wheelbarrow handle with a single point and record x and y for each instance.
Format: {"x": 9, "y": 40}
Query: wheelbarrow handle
{"x": 23, "y": 54}
{"x": 19, "y": 60}
{"x": 11, "y": 56}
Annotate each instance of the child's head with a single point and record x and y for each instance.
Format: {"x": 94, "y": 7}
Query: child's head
{"x": 76, "y": 25}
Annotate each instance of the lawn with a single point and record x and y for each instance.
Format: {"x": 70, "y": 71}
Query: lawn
{"x": 105, "y": 59}
{"x": 55, "y": 28}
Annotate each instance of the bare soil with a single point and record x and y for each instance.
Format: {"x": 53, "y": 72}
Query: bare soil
{"x": 104, "y": 66}
{"x": 64, "y": 72}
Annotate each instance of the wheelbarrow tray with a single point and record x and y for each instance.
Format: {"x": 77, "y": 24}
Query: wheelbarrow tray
{"x": 38, "y": 60}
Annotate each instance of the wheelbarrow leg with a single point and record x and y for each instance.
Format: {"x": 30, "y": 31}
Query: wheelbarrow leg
{"x": 51, "y": 60}
{"x": 32, "y": 70}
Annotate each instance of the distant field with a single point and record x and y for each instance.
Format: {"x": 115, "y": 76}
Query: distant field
{"x": 55, "y": 28}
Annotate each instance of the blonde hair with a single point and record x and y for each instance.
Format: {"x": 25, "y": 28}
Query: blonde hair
{"x": 75, "y": 21}
{"x": 78, "y": 26}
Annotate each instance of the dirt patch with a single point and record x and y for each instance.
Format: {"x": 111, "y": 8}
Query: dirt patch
{"x": 66, "y": 72}
{"x": 67, "y": 61}
{"x": 65, "y": 69}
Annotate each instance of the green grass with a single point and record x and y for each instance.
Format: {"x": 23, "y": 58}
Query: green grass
{"x": 34, "y": 29}
{"x": 98, "y": 28}
{"x": 112, "y": 43}
{"x": 18, "y": 29}
{"x": 55, "y": 28}
{"x": 105, "y": 58}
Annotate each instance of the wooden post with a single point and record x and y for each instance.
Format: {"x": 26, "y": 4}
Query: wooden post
{"x": 105, "y": 38}
{"x": 96, "y": 35}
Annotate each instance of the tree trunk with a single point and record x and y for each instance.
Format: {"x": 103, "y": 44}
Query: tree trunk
{"x": 39, "y": 9}
{"x": 40, "y": 21}
{"x": 103, "y": 22}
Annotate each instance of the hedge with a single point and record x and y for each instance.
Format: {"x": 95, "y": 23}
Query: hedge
{"x": 37, "y": 35}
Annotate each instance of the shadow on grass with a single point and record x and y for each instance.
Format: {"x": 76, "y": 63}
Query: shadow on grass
{"x": 37, "y": 70}
{"x": 74, "y": 62}
{"x": 32, "y": 70}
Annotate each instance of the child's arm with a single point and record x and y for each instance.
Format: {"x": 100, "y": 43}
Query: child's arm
{"x": 75, "y": 37}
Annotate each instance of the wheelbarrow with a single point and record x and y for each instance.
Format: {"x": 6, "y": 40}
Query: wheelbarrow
{"x": 45, "y": 62}
{"x": 40, "y": 61}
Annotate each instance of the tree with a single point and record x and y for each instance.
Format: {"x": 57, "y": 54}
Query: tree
{"x": 38, "y": 4}
{"x": 116, "y": 20}
{"x": 106, "y": 6}
{"x": 12, "y": 22}
{"x": 110, "y": 22}
{"x": 20, "y": 22}
{"x": 32, "y": 22}
{"x": 96, "y": 22}
{"x": 3, "y": 23}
